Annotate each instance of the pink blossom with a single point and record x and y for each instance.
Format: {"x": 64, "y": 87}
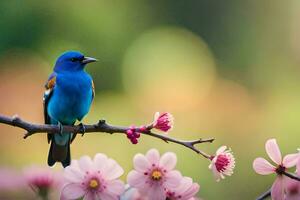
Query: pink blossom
{"x": 42, "y": 179}
{"x": 263, "y": 167}
{"x": 185, "y": 191}
{"x": 292, "y": 189}
{"x": 133, "y": 194}
{"x": 293, "y": 186}
{"x": 153, "y": 175}
{"x": 163, "y": 122}
{"x": 93, "y": 179}
{"x": 222, "y": 163}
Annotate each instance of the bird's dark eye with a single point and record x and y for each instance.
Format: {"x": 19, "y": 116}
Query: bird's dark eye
{"x": 73, "y": 59}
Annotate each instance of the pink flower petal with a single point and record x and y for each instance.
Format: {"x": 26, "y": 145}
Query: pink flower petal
{"x": 221, "y": 150}
{"x": 292, "y": 197}
{"x": 290, "y": 160}
{"x": 292, "y": 189}
{"x": 217, "y": 175}
{"x": 100, "y": 161}
{"x": 153, "y": 156}
{"x": 273, "y": 151}
{"x": 156, "y": 116}
{"x": 107, "y": 196}
{"x": 277, "y": 191}
{"x": 140, "y": 163}
{"x": 11, "y": 180}
{"x": 115, "y": 187}
{"x": 91, "y": 196}
{"x": 156, "y": 192}
{"x": 173, "y": 179}
{"x": 72, "y": 191}
{"x": 72, "y": 173}
{"x": 191, "y": 192}
{"x": 85, "y": 163}
{"x": 298, "y": 166}
{"x": 263, "y": 167}
{"x": 168, "y": 161}
{"x": 112, "y": 170}
{"x": 186, "y": 183}
{"x": 187, "y": 189}
{"x": 136, "y": 179}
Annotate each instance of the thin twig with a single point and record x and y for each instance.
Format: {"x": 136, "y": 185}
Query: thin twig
{"x": 292, "y": 176}
{"x": 264, "y": 195}
{"x": 101, "y": 126}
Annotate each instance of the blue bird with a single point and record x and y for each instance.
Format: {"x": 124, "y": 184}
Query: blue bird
{"x": 68, "y": 97}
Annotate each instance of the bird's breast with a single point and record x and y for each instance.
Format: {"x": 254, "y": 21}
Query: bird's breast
{"x": 72, "y": 97}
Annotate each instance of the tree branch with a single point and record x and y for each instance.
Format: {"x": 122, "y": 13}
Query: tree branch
{"x": 292, "y": 176}
{"x": 264, "y": 195}
{"x": 101, "y": 126}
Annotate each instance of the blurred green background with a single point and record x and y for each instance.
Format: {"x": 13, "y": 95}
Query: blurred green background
{"x": 224, "y": 69}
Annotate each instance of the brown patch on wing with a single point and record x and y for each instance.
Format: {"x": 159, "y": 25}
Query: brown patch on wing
{"x": 47, "y": 95}
{"x": 51, "y": 83}
{"x": 93, "y": 87}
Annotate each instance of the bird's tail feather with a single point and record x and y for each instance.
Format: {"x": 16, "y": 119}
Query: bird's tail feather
{"x": 51, "y": 161}
{"x": 67, "y": 161}
{"x": 59, "y": 153}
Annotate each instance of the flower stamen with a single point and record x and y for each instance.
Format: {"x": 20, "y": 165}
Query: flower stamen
{"x": 280, "y": 169}
{"x": 222, "y": 162}
{"x": 156, "y": 175}
{"x": 94, "y": 184}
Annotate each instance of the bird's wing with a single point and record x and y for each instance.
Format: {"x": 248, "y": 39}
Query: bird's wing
{"x": 50, "y": 84}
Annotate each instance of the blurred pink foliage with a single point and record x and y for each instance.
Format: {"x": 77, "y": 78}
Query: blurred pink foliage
{"x": 43, "y": 180}
{"x": 11, "y": 180}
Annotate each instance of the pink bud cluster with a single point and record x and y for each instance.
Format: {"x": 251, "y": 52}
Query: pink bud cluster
{"x": 162, "y": 122}
{"x": 133, "y": 133}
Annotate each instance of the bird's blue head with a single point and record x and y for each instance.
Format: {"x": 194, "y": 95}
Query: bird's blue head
{"x": 71, "y": 61}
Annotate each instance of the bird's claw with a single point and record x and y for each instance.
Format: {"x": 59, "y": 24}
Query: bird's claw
{"x": 60, "y": 129}
{"x": 82, "y": 129}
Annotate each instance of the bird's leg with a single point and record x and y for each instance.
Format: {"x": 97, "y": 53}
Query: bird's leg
{"x": 61, "y": 128}
{"x": 82, "y": 129}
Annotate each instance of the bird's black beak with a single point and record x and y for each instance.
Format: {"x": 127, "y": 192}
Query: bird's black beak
{"x": 87, "y": 60}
